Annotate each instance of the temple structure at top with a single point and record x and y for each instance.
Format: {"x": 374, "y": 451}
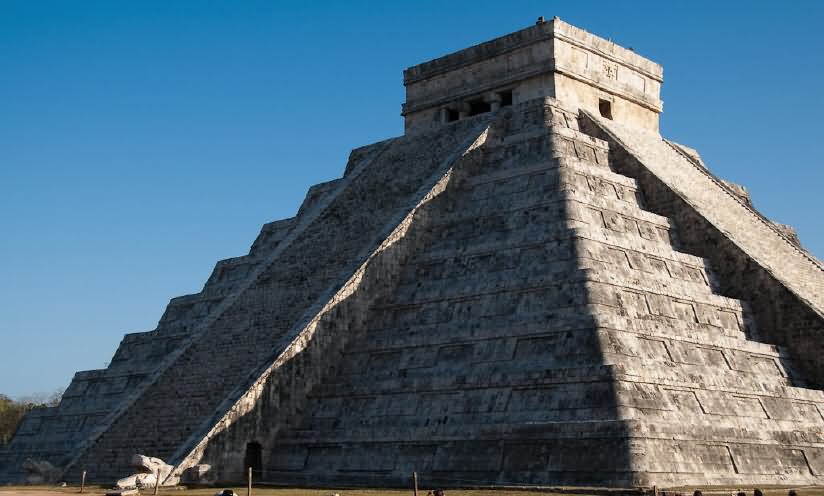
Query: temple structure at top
{"x": 551, "y": 58}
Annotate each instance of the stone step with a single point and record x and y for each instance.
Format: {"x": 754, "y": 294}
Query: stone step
{"x": 733, "y": 429}
{"x": 657, "y": 326}
{"x": 456, "y": 239}
{"x": 599, "y": 171}
{"x": 607, "y": 289}
{"x": 478, "y": 280}
{"x": 566, "y": 202}
{"x": 657, "y": 279}
{"x": 570, "y": 170}
{"x": 536, "y": 351}
{"x": 505, "y": 268}
{"x": 448, "y": 425}
{"x": 746, "y": 414}
{"x": 533, "y": 182}
{"x": 620, "y": 218}
{"x": 453, "y": 265}
{"x": 732, "y": 370}
{"x": 270, "y": 235}
{"x": 587, "y": 240}
{"x": 713, "y": 379}
{"x": 574, "y": 319}
{"x": 483, "y": 375}
{"x": 453, "y": 427}
{"x": 552, "y": 321}
{"x": 449, "y": 430}
{"x": 575, "y": 338}
{"x": 550, "y": 174}
{"x": 638, "y": 254}
{"x": 394, "y": 372}
{"x": 681, "y": 300}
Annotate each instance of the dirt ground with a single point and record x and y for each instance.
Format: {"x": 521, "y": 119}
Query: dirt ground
{"x": 260, "y": 491}
{"x": 263, "y": 491}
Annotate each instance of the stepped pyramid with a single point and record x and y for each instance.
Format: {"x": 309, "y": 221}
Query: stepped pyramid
{"x": 531, "y": 286}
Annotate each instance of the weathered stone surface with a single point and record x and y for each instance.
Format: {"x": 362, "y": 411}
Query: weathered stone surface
{"x": 40, "y": 472}
{"x": 150, "y": 472}
{"x": 139, "y": 481}
{"x": 552, "y": 59}
{"x": 547, "y": 292}
{"x": 198, "y": 474}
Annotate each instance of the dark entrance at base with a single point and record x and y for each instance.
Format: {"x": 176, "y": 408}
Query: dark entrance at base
{"x": 254, "y": 459}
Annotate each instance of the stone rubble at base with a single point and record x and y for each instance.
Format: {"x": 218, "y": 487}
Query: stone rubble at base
{"x": 530, "y": 286}
{"x": 40, "y": 472}
{"x": 149, "y": 471}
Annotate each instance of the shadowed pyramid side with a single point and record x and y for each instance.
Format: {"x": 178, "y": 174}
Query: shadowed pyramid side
{"x": 483, "y": 365}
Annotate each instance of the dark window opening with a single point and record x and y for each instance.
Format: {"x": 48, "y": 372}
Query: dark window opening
{"x": 253, "y": 459}
{"x": 478, "y": 107}
{"x": 506, "y": 98}
{"x": 452, "y": 115}
{"x": 605, "y": 107}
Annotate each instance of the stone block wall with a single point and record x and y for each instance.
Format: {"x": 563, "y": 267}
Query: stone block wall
{"x": 483, "y": 364}
{"x": 550, "y": 327}
{"x": 184, "y": 400}
{"x": 278, "y": 399}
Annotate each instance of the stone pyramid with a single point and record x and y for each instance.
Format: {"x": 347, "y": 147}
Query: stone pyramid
{"x": 531, "y": 286}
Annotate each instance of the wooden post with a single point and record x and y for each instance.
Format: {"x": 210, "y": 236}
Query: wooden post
{"x": 249, "y": 483}
{"x": 82, "y": 481}
{"x": 157, "y": 482}
{"x": 415, "y": 482}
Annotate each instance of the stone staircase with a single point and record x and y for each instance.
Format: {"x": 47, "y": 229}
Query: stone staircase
{"x": 181, "y": 403}
{"x": 550, "y": 331}
{"x": 487, "y": 341}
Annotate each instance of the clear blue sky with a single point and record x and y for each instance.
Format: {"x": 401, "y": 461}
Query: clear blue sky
{"x": 142, "y": 141}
